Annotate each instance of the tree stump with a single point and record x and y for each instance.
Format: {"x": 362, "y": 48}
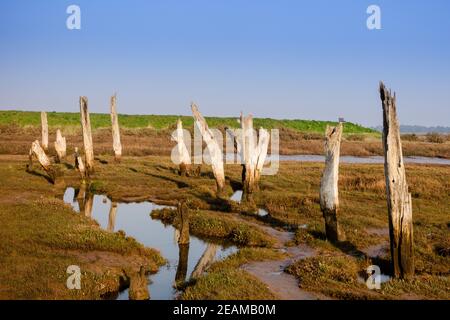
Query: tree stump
{"x": 60, "y": 146}
{"x": 329, "y": 198}
{"x": 117, "y": 145}
{"x": 44, "y": 130}
{"x": 398, "y": 197}
{"x": 214, "y": 148}
{"x": 87, "y": 135}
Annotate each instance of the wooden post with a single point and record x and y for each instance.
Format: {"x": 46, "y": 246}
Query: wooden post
{"x": 183, "y": 153}
{"x": 87, "y": 135}
{"x": 60, "y": 146}
{"x": 117, "y": 145}
{"x": 183, "y": 215}
{"x": 79, "y": 164}
{"x": 205, "y": 260}
{"x": 214, "y": 149}
{"x": 398, "y": 197}
{"x": 253, "y": 153}
{"x": 37, "y": 151}
{"x": 329, "y": 199}
{"x": 44, "y": 130}
{"x": 112, "y": 216}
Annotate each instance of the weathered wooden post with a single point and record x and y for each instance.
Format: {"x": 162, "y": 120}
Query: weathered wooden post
{"x": 329, "y": 198}
{"x": 215, "y": 150}
{"x": 117, "y": 145}
{"x": 44, "y": 130}
{"x": 37, "y": 151}
{"x": 112, "y": 216}
{"x": 79, "y": 165}
{"x": 87, "y": 135}
{"x": 205, "y": 260}
{"x": 398, "y": 197}
{"x": 253, "y": 150}
{"x": 183, "y": 153}
{"x": 60, "y": 146}
{"x": 183, "y": 215}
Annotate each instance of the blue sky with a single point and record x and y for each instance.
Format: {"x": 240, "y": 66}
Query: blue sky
{"x": 280, "y": 59}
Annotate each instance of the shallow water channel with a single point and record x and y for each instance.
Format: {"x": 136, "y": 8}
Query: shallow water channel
{"x": 135, "y": 220}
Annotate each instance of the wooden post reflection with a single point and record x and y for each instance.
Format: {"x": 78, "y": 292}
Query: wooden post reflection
{"x": 183, "y": 255}
{"x": 205, "y": 260}
{"x": 112, "y": 216}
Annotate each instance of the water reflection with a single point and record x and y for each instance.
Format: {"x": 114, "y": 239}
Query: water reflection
{"x": 135, "y": 220}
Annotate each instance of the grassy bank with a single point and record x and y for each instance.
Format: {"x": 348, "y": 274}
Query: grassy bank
{"x": 42, "y": 236}
{"x": 103, "y": 120}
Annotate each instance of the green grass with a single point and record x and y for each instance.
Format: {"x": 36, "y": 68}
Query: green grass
{"x": 102, "y": 120}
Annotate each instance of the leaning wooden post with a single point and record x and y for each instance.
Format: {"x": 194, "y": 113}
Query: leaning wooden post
{"x": 183, "y": 214}
{"x": 183, "y": 153}
{"x": 60, "y": 146}
{"x": 329, "y": 199}
{"x": 117, "y": 145}
{"x": 44, "y": 130}
{"x": 37, "y": 151}
{"x": 398, "y": 197}
{"x": 87, "y": 135}
{"x": 215, "y": 150}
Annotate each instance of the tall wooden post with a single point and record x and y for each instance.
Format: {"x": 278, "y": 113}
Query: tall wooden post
{"x": 60, "y": 146}
{"x": 44, "y": 130}
{"x": 329, "y": 199}
{"x": 253, "y": 148}
{"x": 215, "y": 150}
{"x": 87, "y": 134}
{"x": 398, "y": 197}
{"x": 117, "y": 145}
{"x": 183, "y": 153}
{"x": 183, "y": 215}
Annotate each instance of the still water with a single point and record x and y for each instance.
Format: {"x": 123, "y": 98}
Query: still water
{"x": 135, "y": 220}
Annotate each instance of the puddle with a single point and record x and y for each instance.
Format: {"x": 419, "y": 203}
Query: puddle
{"x": 237, "y": 196}
{"x": 135, "y": 220}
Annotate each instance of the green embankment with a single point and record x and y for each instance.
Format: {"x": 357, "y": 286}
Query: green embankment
{"x": 101, "y": 120}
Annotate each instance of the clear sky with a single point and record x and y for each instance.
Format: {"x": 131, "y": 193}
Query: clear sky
{"x": 280, "y": 59}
